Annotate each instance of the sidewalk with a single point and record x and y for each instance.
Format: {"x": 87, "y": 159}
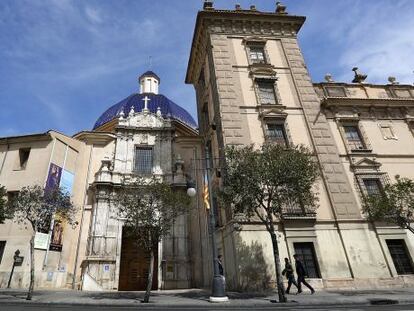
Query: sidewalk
{"x": 199, "y": 298}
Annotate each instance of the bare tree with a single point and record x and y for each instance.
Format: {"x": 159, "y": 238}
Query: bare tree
{"x": 36, "y": 206}
{"x": 149, "y": 209}
{"x": 263, "y": 184}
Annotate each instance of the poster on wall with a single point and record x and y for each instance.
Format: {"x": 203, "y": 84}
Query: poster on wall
{"x": 41, "y": 240}
{"x": 54, "y": 176}
{"x": 57, "y": 234}
{"x": 66, "y": 182}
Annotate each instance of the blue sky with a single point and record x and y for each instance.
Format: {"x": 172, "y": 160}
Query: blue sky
{"x": 63, "y": 62}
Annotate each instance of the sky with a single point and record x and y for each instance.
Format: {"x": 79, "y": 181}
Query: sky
{"x": 64, "y": 62}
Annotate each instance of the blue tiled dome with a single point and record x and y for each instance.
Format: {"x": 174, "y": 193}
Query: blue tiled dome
{"x": 168, "y": 109}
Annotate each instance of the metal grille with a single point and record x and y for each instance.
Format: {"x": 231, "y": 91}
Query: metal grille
{"x": 306, "y": 254}
{"x": 257, "y": 55}
{"x": 266, "y": 92}
{"x": 373, "y": 186}
{"x": 276, "y": 133}
{"x": 143, "y": 160}
{"x": 353, "y": 137}
{"x": 400, "y": 257}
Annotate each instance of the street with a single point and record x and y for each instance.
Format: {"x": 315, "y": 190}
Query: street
{"x": 46, "y": 307}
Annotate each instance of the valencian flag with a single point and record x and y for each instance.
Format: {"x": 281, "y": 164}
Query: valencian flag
{"x": 206, "y": 196}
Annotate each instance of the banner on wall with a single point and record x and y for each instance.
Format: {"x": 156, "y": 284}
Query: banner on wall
{"x": 66, "y": 181}
{"x": 57, "y": 235}
{"x": 54, "y": 176}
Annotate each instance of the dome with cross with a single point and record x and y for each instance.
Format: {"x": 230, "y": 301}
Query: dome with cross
{"x": 150, "y": 99}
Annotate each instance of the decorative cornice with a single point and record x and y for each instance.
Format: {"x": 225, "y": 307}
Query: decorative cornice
{"x": 367, "y": 102}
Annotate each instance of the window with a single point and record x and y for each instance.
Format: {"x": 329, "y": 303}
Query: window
{"x": 400, "y": 256}
{"x": 23, "y": 158}
{"x": 2, "y": 247}
{"x": 306, "y": 254}
{"x": 266, "y": 90}
{"x": 257, "y": 55}
{"x": 276, "y": 133}
{"x": 373, "y": 186}
{"x": 353, "y": 137}
{"x": 143, "y": 160}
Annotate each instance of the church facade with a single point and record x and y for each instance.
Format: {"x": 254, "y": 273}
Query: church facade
{"x": 146, "y": 134}
{"x": 252, "y": 87}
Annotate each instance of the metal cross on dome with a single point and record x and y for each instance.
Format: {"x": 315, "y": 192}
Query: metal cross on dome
{"x": 146, "y": 99}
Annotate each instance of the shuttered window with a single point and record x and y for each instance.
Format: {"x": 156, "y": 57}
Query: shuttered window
{"x": 353, "y": 137}
{"x": 143, "y": 160}
{"x": 266, "y": 92}
{"x": 400, "y": 256}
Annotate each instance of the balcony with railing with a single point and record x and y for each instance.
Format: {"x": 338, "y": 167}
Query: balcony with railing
{"x": 297, "y": 212}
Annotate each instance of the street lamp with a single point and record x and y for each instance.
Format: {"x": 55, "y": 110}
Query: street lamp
{"x": 218, "y": 291}
{"x": 191, "y": 190}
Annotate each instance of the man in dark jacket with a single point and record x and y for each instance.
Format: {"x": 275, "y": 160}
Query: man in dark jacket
{"x": 288, "y": 272}
{"x": 301, "y": 272}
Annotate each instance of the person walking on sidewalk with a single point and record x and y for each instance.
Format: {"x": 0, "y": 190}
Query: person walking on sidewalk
{"x": 288, "y": 272}
{"x": 301, "y": 272}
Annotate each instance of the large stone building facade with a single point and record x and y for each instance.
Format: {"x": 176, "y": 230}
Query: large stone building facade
{"x": 145, "y": 135}
{"x": 252, "y": 87}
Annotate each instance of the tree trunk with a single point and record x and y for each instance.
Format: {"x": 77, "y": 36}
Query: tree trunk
{"x": 32, "y": 268}
{"x": 279, "y": 277}
{"x": 150, "y": 274}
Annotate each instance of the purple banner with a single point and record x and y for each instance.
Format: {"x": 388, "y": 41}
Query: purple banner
{"x": 53, "y": 178}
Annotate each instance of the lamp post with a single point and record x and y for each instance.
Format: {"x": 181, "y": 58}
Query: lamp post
{"x": 218, "y": 287}
{"x": 218, "y": 291}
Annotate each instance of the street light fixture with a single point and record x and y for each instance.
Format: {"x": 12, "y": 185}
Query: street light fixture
{"x": 218, "y": 289}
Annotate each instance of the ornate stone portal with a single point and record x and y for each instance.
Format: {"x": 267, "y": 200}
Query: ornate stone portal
{"x": 102, "y": 267}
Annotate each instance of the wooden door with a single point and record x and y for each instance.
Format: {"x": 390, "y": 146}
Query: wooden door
{"x": 134, "y": 267}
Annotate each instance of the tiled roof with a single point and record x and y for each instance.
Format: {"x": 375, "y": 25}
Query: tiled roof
{"x": 168, "y": 109}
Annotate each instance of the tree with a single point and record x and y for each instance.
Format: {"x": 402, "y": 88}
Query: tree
{"x": 393, "y": 204}
{"x": 5, "y": 211}
{"x": 37, "y": 206}
{"x": 262, "y": 184}
{"x": 149, "y": 209}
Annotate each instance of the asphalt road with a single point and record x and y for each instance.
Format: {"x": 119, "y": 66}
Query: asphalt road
{"x": 41, "y": 307}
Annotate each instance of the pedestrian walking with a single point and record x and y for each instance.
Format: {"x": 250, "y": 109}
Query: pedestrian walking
{"x": 301, "y": 272}
{"x": 288, "y": 272}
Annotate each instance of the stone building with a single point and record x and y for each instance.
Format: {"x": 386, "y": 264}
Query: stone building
{"x": 252, "y": 87}
{"x": 146, "y": 134}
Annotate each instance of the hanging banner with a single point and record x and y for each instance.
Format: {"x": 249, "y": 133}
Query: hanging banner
{"x": 206, "y": 196}
{"x": 53, "y": 178}
{"x": 66, "y": 182}
{"x": 57, "y": 234}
